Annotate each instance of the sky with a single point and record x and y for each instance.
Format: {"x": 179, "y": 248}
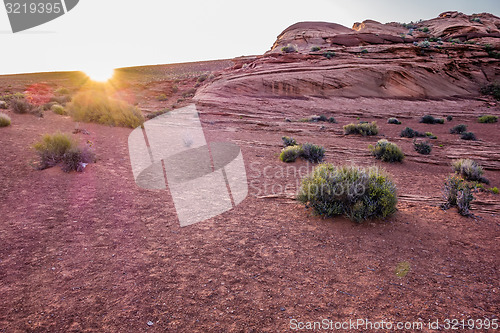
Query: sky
{"x": 105, "y": 34}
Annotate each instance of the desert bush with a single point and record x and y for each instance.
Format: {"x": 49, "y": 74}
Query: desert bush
{"x": 162, "y": 97}
{"x": 332, "y": 120}
{"x": 315, "y": 49}
{"x": 3, "y": 105}
{"x": 62, "y": 149}
{"x": 62, "y": 100}
{"x": 469, "y": 170}
{"x": 488, "y": 119}
{"x": 358, "y": 193}
{"x": 410, "y": 133}
{"x": 494, "y": 190}
{"x": 491, "y": 51}
{"x": 425, "y": 44}
{"x": 492, "y": 89}
{"x": 289, "y": 48}
{"x": 312, "y": 153}
{"x": 468, "y": 136}
{"x": 449, "y": 118}
{"x": 22, "y": 106}
{"x": 329, "y": 54}
{"x": 428, "y": 119}
{"x": 458, "y": 129}
{"x": 4, "y": 120}
{"x": 9, "y": 97}
{"x": 361, "y": 128}
{"x": 422, "y": 147}
{"x": 98, "y": 107}
{"x": 394, "y": 121}
{"x": 457, "y": 193}
{"x": 202, "y": 78}
{"x": 58, "y": 109}
{"x": 287, "y": 141}
{"x": 61, "y": 91}
{"x": 430, "y": 135}
{"x": 387, "y": 151}
{"x": 189, "y": 93}
{"x": 290, "y": 153}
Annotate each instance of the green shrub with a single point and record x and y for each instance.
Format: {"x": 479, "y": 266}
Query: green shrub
{"x": 361, "y": 128}
{"x": 457, "y": 193}
{"x": 62, "y": 149}
{"x": 58, "y": 109}
{"x": 469, "y": 170}
{"x": 449, "y": 118}
{"x": 423, "y": 148}
{"x": 468, "y": 136}
{"x": 387, "y": 151}
{"x": 428, "y": 119}
{"x": 162, "y": 98}
{"x": 494, "y": 190}
{"x": 202, "y": 78}
{"x": 358, "y": 193}
{"x": 4, "y": 120}
{"x": 287, "y": 141}
{"x": 425, "y": 44}
{"x": 410, "y": 133}
{"x": 491, "y": 51}
{"x": 332, "y": 120}
{"x": 3, "y": 105}
{"x": 312, "y": 153}
{"x": 315, "y": 49}
{"x": 63, "y": 99}
{"x": 458, "y": 129}
{"x": 488, "y": 119}
{"x": 98, "y": 107}
{"x": 430, "y": 135}
{"x": 289, "y": 49}
{"x": 492, "y": 89}
{"x": 425, "y": 29}
{"x": 290, "y": 153}
{"x": 9, "y": 97}
{"x": 329, "y": 54}
{"x": 364, "y": 51}
{"x": 394, "y": 121}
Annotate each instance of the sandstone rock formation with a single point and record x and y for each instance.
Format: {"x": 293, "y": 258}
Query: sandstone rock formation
{"x": 440, "y": 58}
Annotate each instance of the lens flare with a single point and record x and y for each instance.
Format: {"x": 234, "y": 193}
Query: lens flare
{"x": 99, "y": 74}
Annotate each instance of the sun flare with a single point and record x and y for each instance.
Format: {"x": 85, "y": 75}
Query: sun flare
{"x": 99, "y": 74}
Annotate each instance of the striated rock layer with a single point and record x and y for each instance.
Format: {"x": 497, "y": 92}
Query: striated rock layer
{"x": 441, "y": 58}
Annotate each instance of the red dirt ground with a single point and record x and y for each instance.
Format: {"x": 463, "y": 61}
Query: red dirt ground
{"x": 92, "y": 252}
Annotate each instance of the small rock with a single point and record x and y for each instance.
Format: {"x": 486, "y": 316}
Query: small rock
{"x": 282, "y": 309}
{"x": 150, "y": 323}
{"x": 288, "y": 120}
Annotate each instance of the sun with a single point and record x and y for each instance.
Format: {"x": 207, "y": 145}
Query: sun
{"x": 99, "y": 74}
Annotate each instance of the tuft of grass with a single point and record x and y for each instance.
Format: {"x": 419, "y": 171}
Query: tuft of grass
{"x": 428, "y": 119}
{"x": 312, "y": 153}
{"x": 288, "y": 141}
{"x": 361, "y": 128}
{"x": 469, "y": 170}
{"x": 457, "y": 193}
{"x": 468, "y": 136}
{"x": 488, "y": 119}
{"x": 387, "y": 151}
{"x": 98, "y": 107}
{"x": 290, "y": 48}
{"x": 4, "y": 120}
{"x": 358, "y": 193}
{"x": 58, "y": 109}
{"x": 394, "y": 121}
{"x": 423, "y": 147}
{"x": 410, "y": 133}
{"x": 62, "y": 149}
{"x": 458, "y": 129}
{"x": 62, "y": 91}
{"x": 162, "y": 98}
{"x": 290, "y": 154}
{"x": 315, "y": 49}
